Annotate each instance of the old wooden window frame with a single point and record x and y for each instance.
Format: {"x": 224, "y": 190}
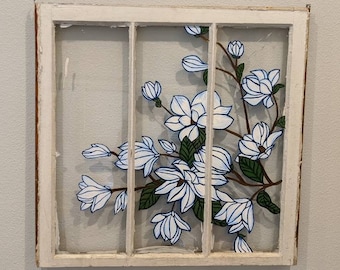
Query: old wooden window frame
{"x": 296, "y": 19}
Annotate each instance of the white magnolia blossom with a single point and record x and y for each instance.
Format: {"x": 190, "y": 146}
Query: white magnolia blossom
{"x": 121, "y": 202}
{"x": 151, "y": 91}
{"x": 169, "y": 147}
{"x": 193, "y": 30}
{"x": 238, "y": 213}
{"x": 192, "y": 63}
{"x": 235, "y": 48}
{"x": 241, "y": 246}
{"x": 188, "y": 117}
{"x": 145, "y": 156}
{"x": 169, "y": 226}
{"x": 221, "y": 164}
{"x": 97, "y": 150}
{"x": 92, "y": 194}
{"x": 259, "y": 144}
{"x": 183, "y": 185}
{"x": 259, "y": 86}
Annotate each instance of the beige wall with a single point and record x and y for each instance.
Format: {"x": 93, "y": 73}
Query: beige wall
{"x": 319, "y": 237}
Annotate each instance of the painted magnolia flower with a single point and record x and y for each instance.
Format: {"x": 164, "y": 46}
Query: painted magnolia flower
{"x": 238, "y": 214}
{"x": 221, "y": 164}
{"x": 169, "y": 147}
{"x": 182, "y": 184}
{"x": 241, "y": 246}
{"x": 151, "y": 91}
{"x": 192, "y": 63}
{"x": 235, "y": 49}
{"x": 121, "y": 202}
{"x": 188, "y": 117}
{"x": 259, "y": 86}
{"x": 92, "y": 194}
{"x": 169, "y": 226}
{"x": 193, "y": 30}
{"x": 145, "y": 156}
{"x": 97, "y": 150}
{"x": 259, "y": 144}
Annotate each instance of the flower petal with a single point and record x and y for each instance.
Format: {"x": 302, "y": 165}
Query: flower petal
{"x": 180, "y": 105}
{"x": 274, "y": 76}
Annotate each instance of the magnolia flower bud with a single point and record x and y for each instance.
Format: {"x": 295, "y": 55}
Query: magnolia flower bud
{"x": 151, "y": 91}
{"x": 169, "y": 147}
{"x": 121, "y": 202}
{"x": 241, "y": 246}
{"x": 235, "y": 49}
{"x": 97, "y": 150}
{"x": 193, "y": 30}
{"x": 192, "y": 63}
{"x": 169, "y": 226}
{"x": 92, "y": 195}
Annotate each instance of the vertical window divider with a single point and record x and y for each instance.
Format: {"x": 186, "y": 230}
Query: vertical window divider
{"x": 130, "y": 213}
{"x": 207, "y": 226}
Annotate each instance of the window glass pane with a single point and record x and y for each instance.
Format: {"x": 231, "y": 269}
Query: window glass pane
{"x": 254, "y": 58}
{"x": 160, "y": 51}
{"x": 91, "y": 104}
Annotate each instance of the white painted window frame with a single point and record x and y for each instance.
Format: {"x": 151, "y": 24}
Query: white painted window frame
{"x": 295, "y": 19}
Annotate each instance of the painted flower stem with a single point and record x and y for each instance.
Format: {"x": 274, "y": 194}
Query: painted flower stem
{"x": 167, "y": 110}
{"x": 114, "y": 153}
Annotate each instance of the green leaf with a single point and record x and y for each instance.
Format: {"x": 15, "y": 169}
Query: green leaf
{"x": 251, "y": 169}
{"x": 187, "y": 151}
{"x": 205, "y": 77}
{"x": 216, "y": 207}
{"x": 277, "y": 87}
{"x": 264, "y": 200}
{"x": 239, "y": 71}
{"x": 200, "y": 140}
{"x": 158, "y": 102}
{"x": 148, "y": 197}
{"x": 198, "y": 209}
{"x": 204, "y": 30}
{"x": 281, "y": 122}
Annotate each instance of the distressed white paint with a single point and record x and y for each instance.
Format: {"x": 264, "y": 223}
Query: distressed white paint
{"x": 295, "y": 19}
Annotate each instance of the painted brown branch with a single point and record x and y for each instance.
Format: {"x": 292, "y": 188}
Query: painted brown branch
{"x": 227, "y": 72}
{"x": 245, "y": 109}
{"x": 265, "y": 173}
{"x": 168, "y": 155}
{"x": 235, "y": 78}
{"x": 241, "y": 181}
{"x": 228, "y": 55}
{"x": 153, "y": 179}
{"x": 277, "y": 113}
{"x": 125, "y": 188}
{"x": 265, "y": 187}
{"x": 244, "y": 183}
{"x": 224, "y": 50}
{"x": 233, "y": 132}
